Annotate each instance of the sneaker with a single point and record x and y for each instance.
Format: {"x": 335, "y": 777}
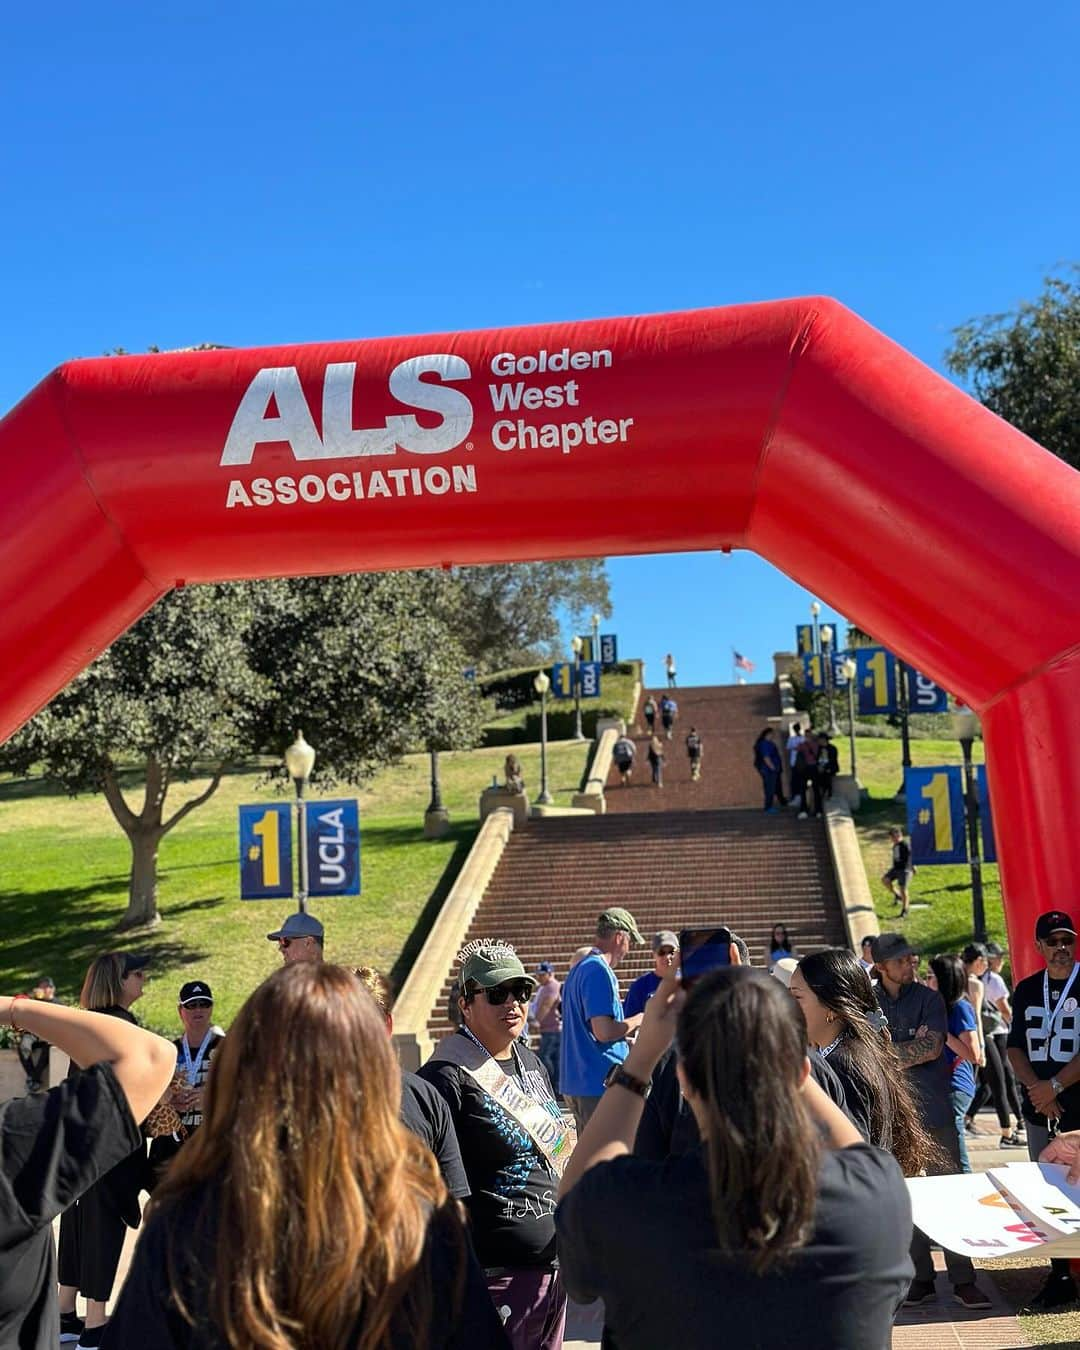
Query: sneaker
{"x": 1011, "y": 1141}
{"x": 92, "y": 1337}
{"x": 919, "y": 1291}
{"x": 71, "y": 1327}
{"x": 971, "y": 1297}
{"x": 971, "y": 1128}
{"x": 803, "y": 815}
{"x": 1055, "y": 1293}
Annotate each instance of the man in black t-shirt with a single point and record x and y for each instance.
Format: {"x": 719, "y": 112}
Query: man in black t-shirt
{"x": 1044, "y": 1051}
{"x": 898, "y": 877}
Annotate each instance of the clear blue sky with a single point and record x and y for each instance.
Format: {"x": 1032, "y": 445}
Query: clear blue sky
{"x": 251, "y": 174}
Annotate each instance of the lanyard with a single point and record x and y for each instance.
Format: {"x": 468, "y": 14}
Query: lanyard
{"x": 1051, "y": 1017}
{"x": 192, "y": 1066}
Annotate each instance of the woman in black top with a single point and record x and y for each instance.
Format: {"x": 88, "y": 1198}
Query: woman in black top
{"x": 54, "y": 1145}
{"x": 844, "y": 1022}
{"x": 783, "y": 1226}
{"x": 92, "y": 1230}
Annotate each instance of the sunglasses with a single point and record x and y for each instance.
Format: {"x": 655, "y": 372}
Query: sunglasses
{"x": 520, "y": 992}
{"x": 285, "y": 942}
{"x": 1062, "y": 942}
{"x": 199, "y": 1003}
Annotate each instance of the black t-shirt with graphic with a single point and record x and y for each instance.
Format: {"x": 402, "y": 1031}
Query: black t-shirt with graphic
{"x": 53, "y": 1147}
{"x": 1048, "y": 1047}
{"x": 512, "y": 1204}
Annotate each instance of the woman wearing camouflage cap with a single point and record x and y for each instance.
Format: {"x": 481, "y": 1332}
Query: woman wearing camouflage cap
{"x": 514, "y": 1143}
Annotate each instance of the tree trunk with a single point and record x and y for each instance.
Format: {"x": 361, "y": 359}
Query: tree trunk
{"x": 142, "y": 889}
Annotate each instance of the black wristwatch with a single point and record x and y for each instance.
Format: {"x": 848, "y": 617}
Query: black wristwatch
{"x": 618, "y": 1077}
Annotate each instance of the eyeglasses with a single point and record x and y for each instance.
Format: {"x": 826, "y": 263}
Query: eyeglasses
{"x": 1067, "y": 941}
{"x": 520, "y": 992}
{"x": 198, "y": 1003}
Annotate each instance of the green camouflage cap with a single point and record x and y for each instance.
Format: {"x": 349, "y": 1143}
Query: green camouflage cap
{"x": 621, "y": 918}
{"x": 489, "y": 961}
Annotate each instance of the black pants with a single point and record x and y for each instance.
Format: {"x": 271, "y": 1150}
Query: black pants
{"x": 997, "y": 1084}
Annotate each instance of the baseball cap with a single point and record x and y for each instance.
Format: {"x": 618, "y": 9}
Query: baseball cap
{"x": 621, "y": 919}
{"x": 665, "y": 938}
{"x": 298, "y": 925}
{"x": 193, "y": 990}
{"x": 784, "y": 969}
{"x": 1054, "y": 921}
{"x": 993, "y": 949}
{"x": 545, "y": 968}
{"x": 135, "y": 961}
{"x": 488, "y": 962}
{"x": 891, "y": 947}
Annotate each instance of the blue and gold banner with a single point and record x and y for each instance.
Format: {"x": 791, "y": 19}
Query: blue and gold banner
{"x": 875, "y": 681}
{"x": 333, "y": 847}
{"x": 609, "y": 649}
{"x": 265, "y": 852}
{"x": 924, "y": 696}
{"x": 813, "y": 672}
{"x": 562, "y": 679}
{"x": 986, "y": 814}
{"x": 935, "y": 814}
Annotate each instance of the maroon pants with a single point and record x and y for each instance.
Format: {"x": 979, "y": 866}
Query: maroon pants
{"x": 532, "y": 1305}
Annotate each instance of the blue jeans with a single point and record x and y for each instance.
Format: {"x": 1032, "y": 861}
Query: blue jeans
{"x": 770, "y": 781}
{"x": 960, "y": 1103}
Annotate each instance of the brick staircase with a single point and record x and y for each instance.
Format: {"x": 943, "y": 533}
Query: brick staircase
{"x": 728, "y": 718}
{"x": 686, "y": 855}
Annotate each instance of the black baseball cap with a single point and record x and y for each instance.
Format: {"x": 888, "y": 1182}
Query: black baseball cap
{"x": 891, "y": 947}
{"x": 1054, "y": 921}
{"x": 135, "y": 961}
{"x": 194, "y": 989}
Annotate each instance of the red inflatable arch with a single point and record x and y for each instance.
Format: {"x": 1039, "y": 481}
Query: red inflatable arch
{"x": 792, "y": 429}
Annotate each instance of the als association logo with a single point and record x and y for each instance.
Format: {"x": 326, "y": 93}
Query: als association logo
{"x": 279, "y": 387}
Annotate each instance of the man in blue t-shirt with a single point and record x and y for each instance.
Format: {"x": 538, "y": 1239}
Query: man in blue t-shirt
{"x": 664, "y": 945}
{"x": 594, "y": 1027}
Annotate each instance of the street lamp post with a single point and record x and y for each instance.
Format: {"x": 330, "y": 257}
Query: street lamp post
{"x": 815, "y": 610}
{"x": 904, "y": 690}
{"x": 827, "y": 662}
{"x": 596, "y": 637}
{"x": 436, "y": 817}
{"x": 850, "y": 671}
{"x": 965, "y": 726}
{"x": 577, "y": 644}
{"x": 300, "y": 760}
{"x": 542, "y": 684}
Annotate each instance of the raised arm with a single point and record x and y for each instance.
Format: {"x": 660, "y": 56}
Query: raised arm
{"x": 142, "y": 1062}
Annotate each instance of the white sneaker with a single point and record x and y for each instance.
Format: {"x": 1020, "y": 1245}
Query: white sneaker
{"x": 803, "y": 815}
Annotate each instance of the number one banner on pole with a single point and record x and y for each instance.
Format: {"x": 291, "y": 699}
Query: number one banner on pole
{"x": 813, "y": 673}
{"x": 875, "y": 681}
{"x": 935, "y": 814}
{"x": 804, "y": 639}
{"x": 266, "y": 860}
{"x": 986, "y": 815}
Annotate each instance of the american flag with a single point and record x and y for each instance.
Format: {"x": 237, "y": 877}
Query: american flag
{"x": 741, "y": 662}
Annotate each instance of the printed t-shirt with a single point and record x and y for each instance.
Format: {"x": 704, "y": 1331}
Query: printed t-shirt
{"x": 961, "y": 1018}
{"x": 53, "y": 1147}
{"x": 590, "y": 990}
{"x": 640, "y": 992}
{"x": 193, "y": 1119}
{"x": 1049, "y": 1047}
{"x": 425, "y": 1114}
{"x": 512, "y": 1199}
{"x": 916, "y": 1006}
{"x": 145, "y": 1314}
{"x": 840, "y": 1291}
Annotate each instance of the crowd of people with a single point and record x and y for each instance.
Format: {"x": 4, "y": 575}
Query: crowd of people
{"x": 335, "y": 1201}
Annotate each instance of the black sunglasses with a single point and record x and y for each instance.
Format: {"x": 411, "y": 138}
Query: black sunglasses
{"x": 520, "y": 992}
{"x": 199, "y": 1003}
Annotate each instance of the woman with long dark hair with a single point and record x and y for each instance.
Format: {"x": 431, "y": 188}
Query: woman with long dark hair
{"x": 780, "y": 944}
{"x": 963, "y": 1047}
{"x": 784, "y": 1225}
{"x": 303, "y": 1213}
{"x": 92, "y": 1230}
{"x": 844, "y": 1022}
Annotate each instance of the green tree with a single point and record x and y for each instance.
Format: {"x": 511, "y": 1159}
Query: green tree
{"x": 173, "y": 694}
{"x": 510, "y": 614}
{"x": 1025, "y": 365}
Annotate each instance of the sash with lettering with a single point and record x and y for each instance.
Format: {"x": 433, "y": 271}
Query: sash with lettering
{"x": 539, "y": 1118}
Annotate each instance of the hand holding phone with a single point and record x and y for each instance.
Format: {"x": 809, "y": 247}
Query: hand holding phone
{"x": 702, "y": 950}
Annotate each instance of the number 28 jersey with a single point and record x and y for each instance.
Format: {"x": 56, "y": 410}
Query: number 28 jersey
{"x": 1050, "y": 1039}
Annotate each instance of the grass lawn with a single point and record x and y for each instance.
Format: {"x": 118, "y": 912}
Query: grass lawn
{"x": 66, "y": 866}
{"x": 946, "y": 926}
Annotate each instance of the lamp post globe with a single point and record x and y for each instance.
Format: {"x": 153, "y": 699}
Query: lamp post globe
{"x": 542, "y": 684}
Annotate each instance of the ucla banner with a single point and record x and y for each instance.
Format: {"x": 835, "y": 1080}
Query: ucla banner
{"x": 924, "y": 696}
{"x": 265, "y": 852}
{"x": 804, "y": 639}
{"x": 609, "y": 649}
{"x": 935, "y": 814}
{"x": 587, "y": 653}
{"x": 875, "y": 681}
{"x": 590, "y": 679}
{"x": 813, "y": 672}
{"x": 986, "y": 816}
{"x": 333, "y": 847}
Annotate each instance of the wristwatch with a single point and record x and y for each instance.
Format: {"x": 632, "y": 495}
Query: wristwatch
{"x": 1057, "y": 1086}
{"x": 618, "y": 1077}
